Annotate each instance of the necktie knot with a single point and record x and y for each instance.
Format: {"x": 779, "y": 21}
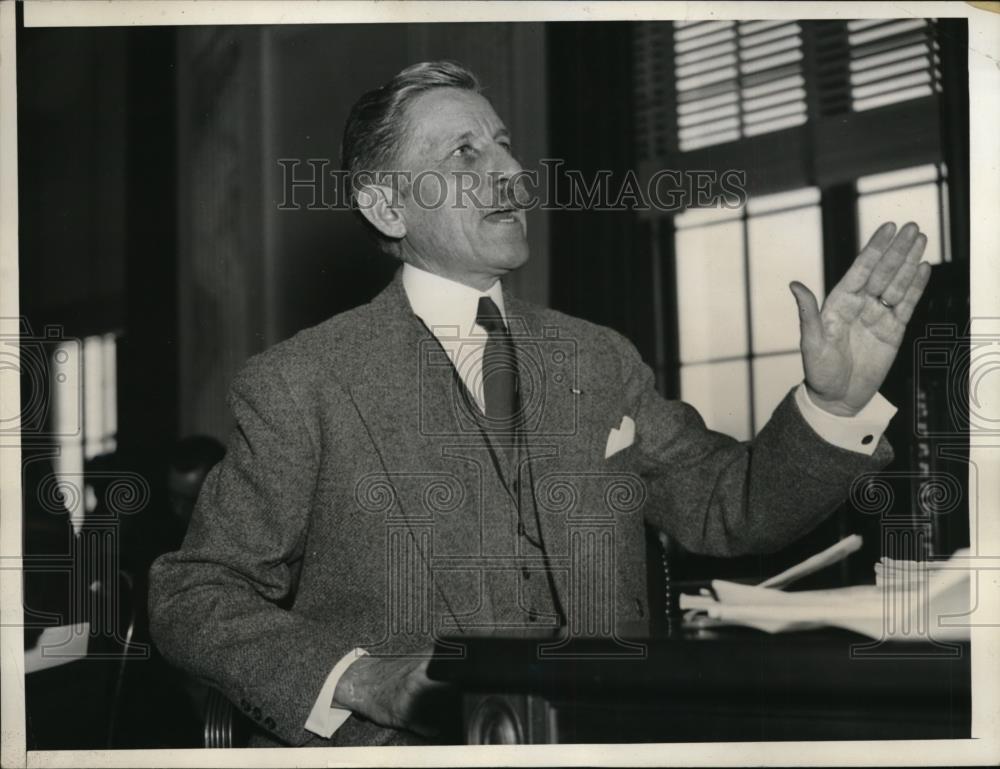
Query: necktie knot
{"x": 488, "y": 316}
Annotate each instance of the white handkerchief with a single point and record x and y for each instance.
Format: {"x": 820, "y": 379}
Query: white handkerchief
{"x": 621, "y": 437}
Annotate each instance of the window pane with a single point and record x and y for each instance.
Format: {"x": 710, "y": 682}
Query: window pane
{"x": 783, "y": 247}
{"x": 893, "y": 179}
{"x": 701, "y": 217}
{"x": 773, "y": 377}
{"x": 67, "y": 416}
{"x": 919, "y": 204}
{"x": 720, "y": 392}
{"x": 711, "y": 295}
{"x": 110, "y": 393}
{"x": 93, "y": 397}
{"x": 762, "y": 204}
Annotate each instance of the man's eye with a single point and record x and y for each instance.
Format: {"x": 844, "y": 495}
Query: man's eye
{"x": 507, "y": 147}
{"x": 465, "y": 149}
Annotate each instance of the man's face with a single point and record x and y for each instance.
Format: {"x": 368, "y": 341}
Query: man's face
{"x": 460, "y": 221}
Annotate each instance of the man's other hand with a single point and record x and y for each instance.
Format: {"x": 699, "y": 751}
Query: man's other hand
{"x": 392, "y": 692}
{"x": 849, "y": 345}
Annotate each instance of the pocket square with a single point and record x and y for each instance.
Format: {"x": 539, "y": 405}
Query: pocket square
{"x": 620, "y": 438}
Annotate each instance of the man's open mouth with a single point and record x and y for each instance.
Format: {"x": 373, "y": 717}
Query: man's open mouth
{"x": 502, "y": 216}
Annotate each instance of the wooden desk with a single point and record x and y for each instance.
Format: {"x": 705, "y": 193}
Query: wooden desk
{"x": 731, "y": 685}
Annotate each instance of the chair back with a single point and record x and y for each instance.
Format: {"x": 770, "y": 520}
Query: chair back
{"x": 225, "y": 726}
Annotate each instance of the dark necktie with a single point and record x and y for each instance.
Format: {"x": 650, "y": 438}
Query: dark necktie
{"x": 499, "y": 368}
{"x": 502, "y": 401}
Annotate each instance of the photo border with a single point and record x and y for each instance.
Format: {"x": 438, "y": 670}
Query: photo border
{"x": 984, "y": 85}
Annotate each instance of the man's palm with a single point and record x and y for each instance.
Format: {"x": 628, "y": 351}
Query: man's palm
{"x": 849, "y": 346}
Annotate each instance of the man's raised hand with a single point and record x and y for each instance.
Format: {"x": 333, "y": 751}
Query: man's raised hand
{"x": 849, "y": 345}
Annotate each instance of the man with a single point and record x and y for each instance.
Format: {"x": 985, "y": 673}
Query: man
{"x": 448, "y": 460}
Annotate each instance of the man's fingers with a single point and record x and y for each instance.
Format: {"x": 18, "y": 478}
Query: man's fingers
{"x": 893, "y": 293}
{"x": 894, "y": 257}
{"x": 857, "y": 275}
{"x": 420, "y": 673}
{"x": 904, "y": 310}
{"x": 809, "y": 321}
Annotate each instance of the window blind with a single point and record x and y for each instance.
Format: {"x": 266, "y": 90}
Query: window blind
{"x": 736, "y": 79}
{"x": 794, "y": 103}
{"x": 891, "y": 61}
{"x": 653, "y": 93}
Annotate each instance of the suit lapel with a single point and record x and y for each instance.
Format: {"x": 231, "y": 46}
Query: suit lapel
{"x": 406, "y": 379}
{"x": 420, "y": 418}
{"x": 405, "y": 394}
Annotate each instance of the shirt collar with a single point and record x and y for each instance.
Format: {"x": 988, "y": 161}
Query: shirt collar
{"x": 445, "y": 305}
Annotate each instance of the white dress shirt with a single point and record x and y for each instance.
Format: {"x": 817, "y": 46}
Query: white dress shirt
{"x": 449, "y": 310}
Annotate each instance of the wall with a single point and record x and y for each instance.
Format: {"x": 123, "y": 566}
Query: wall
{"x": 72, "y": 114}
{"x": 250, "y": 274}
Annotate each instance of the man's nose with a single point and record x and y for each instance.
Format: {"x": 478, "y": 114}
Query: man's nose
{"x": 502, "y": 163}
{"x": 504, "y": 171}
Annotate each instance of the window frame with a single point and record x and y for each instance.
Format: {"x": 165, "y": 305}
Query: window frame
{"x": 830, "y": 151}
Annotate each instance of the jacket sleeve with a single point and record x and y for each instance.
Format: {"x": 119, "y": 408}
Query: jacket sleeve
{"x": 218, "y": 606}
{"x": 719, "y": 496}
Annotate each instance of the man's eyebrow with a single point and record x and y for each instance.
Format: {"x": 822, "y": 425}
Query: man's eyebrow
{"x": 468, "y": 135}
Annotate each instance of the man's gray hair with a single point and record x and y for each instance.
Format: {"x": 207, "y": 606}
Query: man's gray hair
{"x": 376, "y": 126}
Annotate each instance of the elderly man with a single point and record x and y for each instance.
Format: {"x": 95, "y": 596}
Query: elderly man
{"x": 429, "y": 463}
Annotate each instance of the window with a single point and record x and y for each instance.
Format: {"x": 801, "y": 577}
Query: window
{"x": 84, "y": 416}
{"x": 919, "y": 193}
{"x": 808, "y": 109}
{"x": 738, "y": 326}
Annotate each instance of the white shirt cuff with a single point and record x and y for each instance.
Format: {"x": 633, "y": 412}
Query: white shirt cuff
{"x": 860, "y": 433}
{"x": 325, "y": 719}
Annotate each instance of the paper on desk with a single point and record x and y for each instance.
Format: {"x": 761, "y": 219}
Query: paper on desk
{"x": 56, "y": 646}
{"x": 914, "y": 608}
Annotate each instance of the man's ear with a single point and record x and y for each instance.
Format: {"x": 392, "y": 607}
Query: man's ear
{"x": 375, "y": 201}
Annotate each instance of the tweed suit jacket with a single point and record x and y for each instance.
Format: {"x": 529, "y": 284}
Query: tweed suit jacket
{"x": 358, "y": 505}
